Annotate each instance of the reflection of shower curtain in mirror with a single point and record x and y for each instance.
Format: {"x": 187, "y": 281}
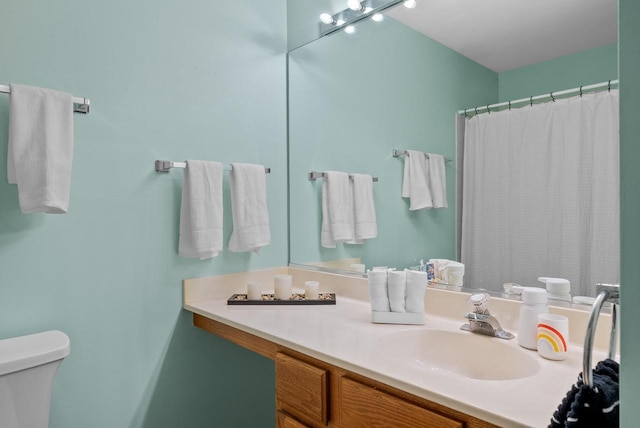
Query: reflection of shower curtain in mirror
{"x": 541, "y": 194}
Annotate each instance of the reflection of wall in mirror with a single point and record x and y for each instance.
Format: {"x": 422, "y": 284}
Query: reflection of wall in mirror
{"x": 352, "y": 100}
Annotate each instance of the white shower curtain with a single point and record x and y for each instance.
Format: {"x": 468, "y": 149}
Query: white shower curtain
{"x": 540, "y": 194}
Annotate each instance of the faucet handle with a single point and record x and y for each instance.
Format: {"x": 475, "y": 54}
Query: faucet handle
{"x": 479, "y": 302}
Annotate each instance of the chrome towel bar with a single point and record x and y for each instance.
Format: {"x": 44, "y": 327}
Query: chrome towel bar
{"x": 314, "y": 175}
{"x": 80, "y": 105}
{"x": 165, "y": 166}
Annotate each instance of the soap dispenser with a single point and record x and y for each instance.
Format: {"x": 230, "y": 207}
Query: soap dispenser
{"x": 558, "y": 288}
{"x": 534, "y": 303}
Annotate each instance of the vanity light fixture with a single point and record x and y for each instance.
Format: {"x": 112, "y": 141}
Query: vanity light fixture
{"x": 356, "y": 11}
{"x": 327, "y": 19}
{"x": 410, "y": 4}
{"x": 356, "y": 5}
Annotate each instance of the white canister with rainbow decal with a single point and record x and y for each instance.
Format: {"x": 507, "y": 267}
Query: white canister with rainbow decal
{"x": 553, "y": 336}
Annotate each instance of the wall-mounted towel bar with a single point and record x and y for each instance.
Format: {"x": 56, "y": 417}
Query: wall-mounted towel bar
{"x": 80, "y": 105}
{"x": 165, "y": 166}
{"x": 314, "y": 175}
{"x": 397, "y": 153}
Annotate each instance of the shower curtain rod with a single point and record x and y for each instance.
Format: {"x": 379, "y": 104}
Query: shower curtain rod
{"x": 550, "y": 96}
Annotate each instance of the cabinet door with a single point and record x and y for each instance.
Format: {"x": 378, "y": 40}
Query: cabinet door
{"x": 285, "y": 421}
{"x": 367, "y": 407}
{"x": 301, "y": 390}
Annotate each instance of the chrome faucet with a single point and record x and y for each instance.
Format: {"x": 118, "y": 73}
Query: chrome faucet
{"x": 481, "y": 321}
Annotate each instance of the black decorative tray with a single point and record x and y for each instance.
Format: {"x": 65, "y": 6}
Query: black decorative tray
{"x": 296, "y": 299}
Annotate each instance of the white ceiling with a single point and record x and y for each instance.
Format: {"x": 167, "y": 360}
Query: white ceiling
{"x": 507, "y": 34}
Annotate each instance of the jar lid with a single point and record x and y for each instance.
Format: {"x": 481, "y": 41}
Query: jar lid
{"x": 534, "y": 296}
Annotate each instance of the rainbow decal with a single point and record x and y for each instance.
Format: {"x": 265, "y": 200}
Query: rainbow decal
{"x": 553, "y": 337}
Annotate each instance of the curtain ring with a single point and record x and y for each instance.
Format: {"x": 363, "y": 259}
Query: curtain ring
{"x": 476, "y": 110}
{"x": 552, "y": 98}
{"x": 488, "y": 109}
{"x": 580, "y": 91}
{"x": 465, "y": 113}
{"x": 509, "y": 105}
{"x": 609, "y": 86}
{"x": 531, "y": 101}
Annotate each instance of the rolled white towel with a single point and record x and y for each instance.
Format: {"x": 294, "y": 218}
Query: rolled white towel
{"x": 397, "y": 285}
{"x": 416, "y": 287}
{"x": 378, "y": 291}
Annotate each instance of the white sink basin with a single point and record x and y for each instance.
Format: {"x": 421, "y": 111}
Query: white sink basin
{"x": 459, "y": 353}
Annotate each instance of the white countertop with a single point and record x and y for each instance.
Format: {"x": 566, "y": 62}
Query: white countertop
{"x": 343, "y": 335}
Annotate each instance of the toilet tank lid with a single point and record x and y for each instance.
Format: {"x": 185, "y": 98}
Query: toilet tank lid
{"x": 24, "y": 352}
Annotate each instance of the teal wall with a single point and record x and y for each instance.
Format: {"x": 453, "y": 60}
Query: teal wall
{"x": 167, "y": 80}
{"x": 199, "y": 80}
{"x": 352, "y": 99}
{"x": 571, "y": 71}
{"x": 629, "y": 34}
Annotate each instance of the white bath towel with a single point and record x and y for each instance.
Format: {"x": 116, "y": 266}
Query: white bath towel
{"x": 378, "y": 290}
{"x": 251, "y": 229}
{"x": 397, "y": 287}
{"x": 365, "y": 225}
{"x": 437, "y": 180}
{"x": 337, "y": 209}
{"x": 201, "y": 210}
{"x": 415, "y": 185}
{"x": 416, "y": 286}
{"x": 40, "y": 149}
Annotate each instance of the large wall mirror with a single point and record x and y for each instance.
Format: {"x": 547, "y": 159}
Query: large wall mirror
{"x": 354, "y": 98}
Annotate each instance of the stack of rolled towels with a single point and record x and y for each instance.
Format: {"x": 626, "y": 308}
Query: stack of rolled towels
{"x": 397, "y": 291}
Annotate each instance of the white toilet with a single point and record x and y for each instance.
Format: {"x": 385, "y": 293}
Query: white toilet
{"x": 28, "y": 365}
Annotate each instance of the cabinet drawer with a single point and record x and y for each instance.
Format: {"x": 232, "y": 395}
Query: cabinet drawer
{"x": 364, "y": 406}
{"x": 285, "y": 421}
{"x": 301, "y": 389}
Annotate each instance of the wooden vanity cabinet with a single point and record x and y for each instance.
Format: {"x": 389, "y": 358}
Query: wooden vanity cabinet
{"x": 285, "y": 421}
{"x": 315, "y": 394}
{"x": 301, "y": 389}
{"x": 364, "y": 406}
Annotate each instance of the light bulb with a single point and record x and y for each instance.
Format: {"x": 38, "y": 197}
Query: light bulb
{"x": 409, "y": 4}
{"x": 340, "y": 22}
{"x": 350, "y": 29}
{"x": 378, "y": 17}
{"x": 354, "y": 5}
{"x": 327, "y": 19}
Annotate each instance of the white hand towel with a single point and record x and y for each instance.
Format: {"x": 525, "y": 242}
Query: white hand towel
{"x": 397, "y": 287}
{"x": 365, "y": 224}
{"x": 414, "y": 182}
{"x": 437, "y": 180}
{"x": 337, "y": 209}
{"x": 249, "y": 208}
{"x": 378, "y": 290}
{"x": 416, "y": 286}
{"x": 40, "y": 149}
{"x": 201, "y": 210}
